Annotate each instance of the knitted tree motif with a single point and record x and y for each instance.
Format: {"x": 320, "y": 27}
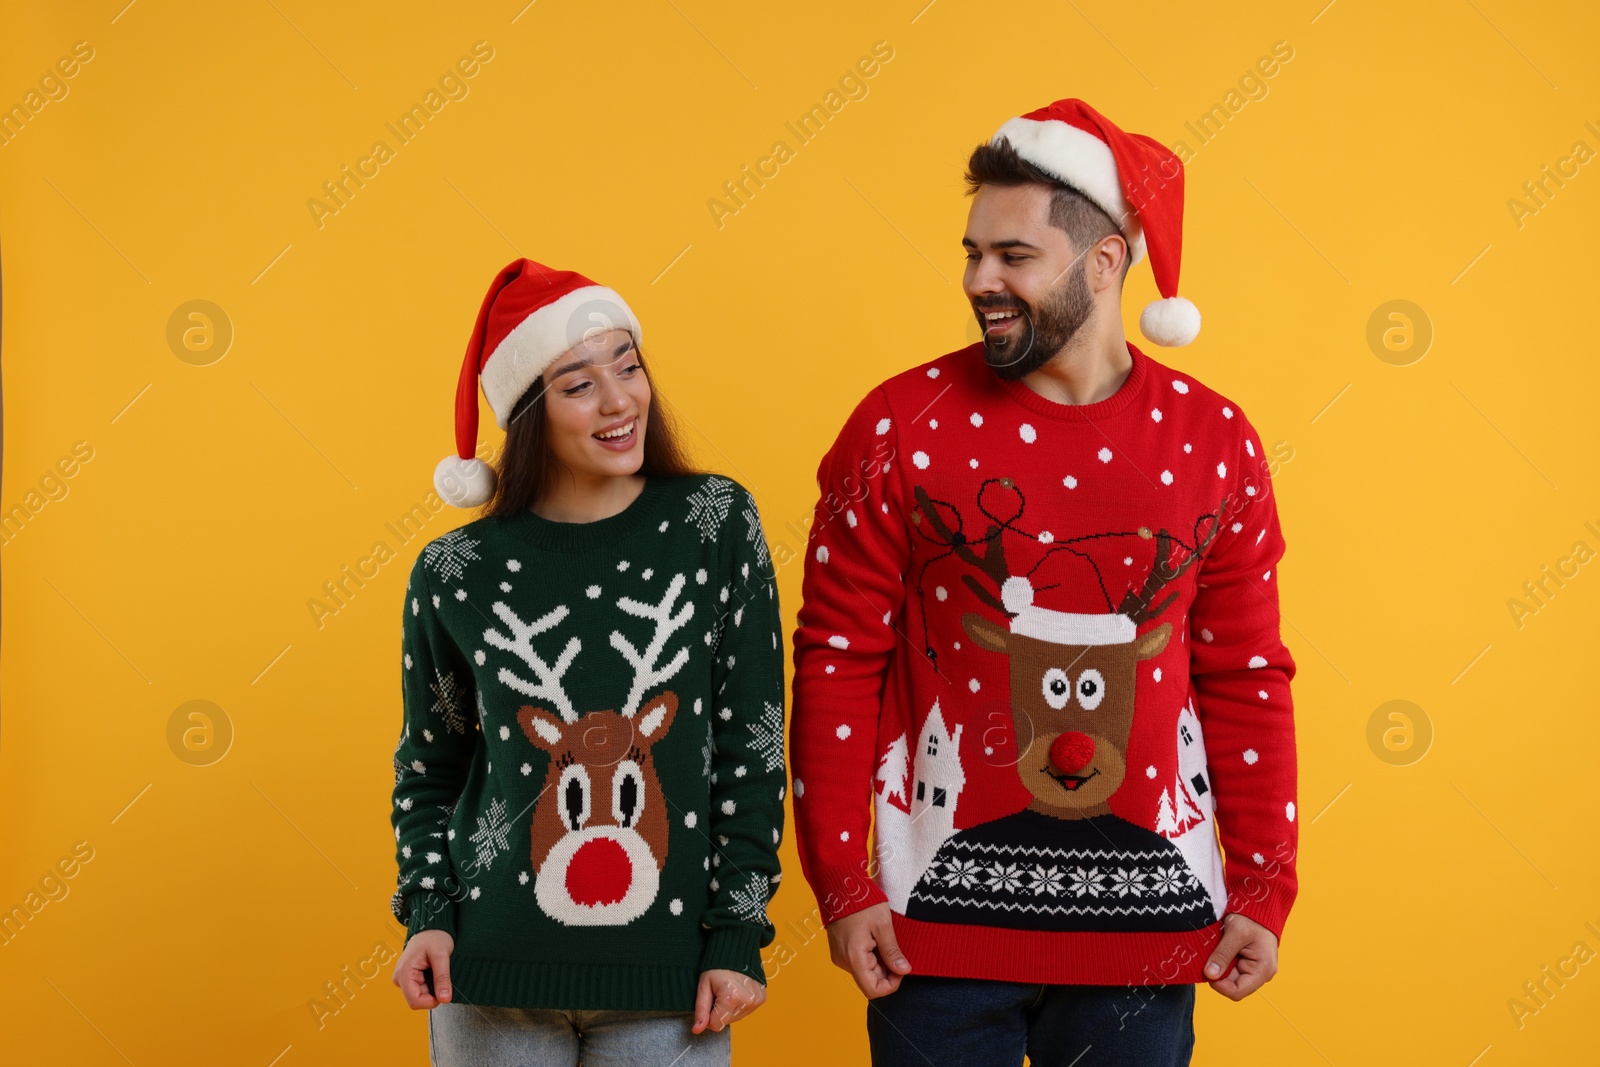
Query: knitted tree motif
{"x": 449, "y": 554}
{"x": 708, "y": 506}
{"x": 449, "y": 698}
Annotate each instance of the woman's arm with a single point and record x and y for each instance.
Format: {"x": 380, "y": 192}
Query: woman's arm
{"x": 748, "y": 774}
{"x": 437, "y": 744}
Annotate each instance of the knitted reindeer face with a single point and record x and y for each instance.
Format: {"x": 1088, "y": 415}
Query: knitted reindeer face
{"x": 599, "y": 829}
{"x": 1070, "y": 704}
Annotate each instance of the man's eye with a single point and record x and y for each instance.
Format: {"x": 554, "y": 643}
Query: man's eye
{"x": 1015, "y": 258}
{"x": 972, "y": 257}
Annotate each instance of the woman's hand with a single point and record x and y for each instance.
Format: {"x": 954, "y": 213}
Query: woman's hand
{"x": 724, "y": 997}
{"x": 427, "y": 950}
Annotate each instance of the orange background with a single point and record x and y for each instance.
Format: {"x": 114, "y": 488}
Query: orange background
{"x": 1427, "y": 484}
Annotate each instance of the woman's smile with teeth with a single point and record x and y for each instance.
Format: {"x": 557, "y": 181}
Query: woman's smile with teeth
{"x": 621, "y": 435}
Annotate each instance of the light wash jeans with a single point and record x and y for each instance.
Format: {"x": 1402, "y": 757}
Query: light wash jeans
{"x": 470, "y": 1035}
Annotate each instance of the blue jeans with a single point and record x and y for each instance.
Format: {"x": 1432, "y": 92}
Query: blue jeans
{"x": 974, "y": 1022}
{"x": 470, "y": 1035}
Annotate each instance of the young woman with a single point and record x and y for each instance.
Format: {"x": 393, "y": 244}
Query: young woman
{"x": 589, "y": 784}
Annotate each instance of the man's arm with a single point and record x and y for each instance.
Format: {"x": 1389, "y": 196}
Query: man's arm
{"x": 853, "y": 588}
{"x": 1241, "y": 671}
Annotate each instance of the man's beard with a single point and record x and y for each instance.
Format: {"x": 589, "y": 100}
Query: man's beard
{"x": 1043, "y": 331}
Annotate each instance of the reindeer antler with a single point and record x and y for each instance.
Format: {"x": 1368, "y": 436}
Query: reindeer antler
{"x": 991, "y": 563}
{"x": 549, "y": 684}
{"x": 1137, "y": 605}
{"x": 646, "y": 674}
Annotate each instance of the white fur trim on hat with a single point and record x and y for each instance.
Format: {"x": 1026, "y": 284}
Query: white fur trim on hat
{"x": 1170, "y": 322}
{"x": 464, "y": 483}
{"x": 522, "y": 358}
{"x": 1061, "y": 627}
{"x": 1071, "y": 628}
{"x": 1081, "y": 160}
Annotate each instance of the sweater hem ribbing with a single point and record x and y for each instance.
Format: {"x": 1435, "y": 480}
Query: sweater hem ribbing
{"x": 572, "y": 986}
{"x": 1066, "y": 958}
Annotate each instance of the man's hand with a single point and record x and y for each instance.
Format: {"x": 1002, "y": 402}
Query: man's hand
{"x": 427, "y": 950}
{"x": 1255, "y": 950}
{"x": 863, "y": 943}
{"x": 724, "y": 997}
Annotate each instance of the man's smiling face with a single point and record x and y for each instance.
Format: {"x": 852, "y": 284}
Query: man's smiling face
{"x": 1025, "y": 281}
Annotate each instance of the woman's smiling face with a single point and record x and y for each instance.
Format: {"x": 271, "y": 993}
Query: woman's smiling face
{"x": 597, "y": 401}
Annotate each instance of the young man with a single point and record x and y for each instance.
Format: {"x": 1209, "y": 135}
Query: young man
{"x": 1040, "y": 641}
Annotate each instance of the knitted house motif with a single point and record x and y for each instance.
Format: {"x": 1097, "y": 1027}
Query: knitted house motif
{"x": 920, "y": 819}
{"x": 1195, "y": 835}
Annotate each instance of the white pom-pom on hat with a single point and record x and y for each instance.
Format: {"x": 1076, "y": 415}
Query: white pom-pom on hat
{"x": 464, "y": 483}
{"x": 1170, "y": 322}
{"x": 1016, "y": 593}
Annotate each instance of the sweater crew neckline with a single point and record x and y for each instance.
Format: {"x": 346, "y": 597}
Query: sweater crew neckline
{"x": 1130, "y": 389}
{"x": 590, "y": 536}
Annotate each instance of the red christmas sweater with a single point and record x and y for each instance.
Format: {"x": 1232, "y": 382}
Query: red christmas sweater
{"x": 1038, "y": 655}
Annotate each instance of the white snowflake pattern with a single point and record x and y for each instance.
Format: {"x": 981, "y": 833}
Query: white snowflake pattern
{"x": 449, "y": 698}
{"x": 1125, "y": 880}
{"x": 1086, "y": 881}
{"x": 708, "y": 506}
{"x": 490, "y": 838}
{"x": 449, "y": 553}
{"x": 750, "y": 904}
{"x": 1046, "y": 880}
{"x": 753, "y": 533}
{"x": 1166, "y": 881}
{"x": 1005, "y": 877}
{"x": 766, "y": 739}
{"x": 964, "y": 873}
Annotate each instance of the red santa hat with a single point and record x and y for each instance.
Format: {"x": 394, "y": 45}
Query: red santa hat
{"x": 531, "y": 315}
{"x": 1135, "y": 179}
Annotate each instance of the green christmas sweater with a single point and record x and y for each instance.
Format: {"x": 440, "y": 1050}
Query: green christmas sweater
{"x": 589, "y": 781}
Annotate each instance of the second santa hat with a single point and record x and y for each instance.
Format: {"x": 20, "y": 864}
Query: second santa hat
{"x": 530, "y": 316}
{"x": 1135, "y": 179}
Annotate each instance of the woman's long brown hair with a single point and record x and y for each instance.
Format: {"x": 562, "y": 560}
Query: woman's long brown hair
{"x": 526, "y": 462}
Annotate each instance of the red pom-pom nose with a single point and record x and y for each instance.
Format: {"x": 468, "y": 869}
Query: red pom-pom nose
{"x": 1072, "y": 752}
{"x": 599, "y": 872}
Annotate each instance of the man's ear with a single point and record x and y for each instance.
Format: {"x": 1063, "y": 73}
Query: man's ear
{"x": 543, "y": 728}
{"x": 1111, "y": 256}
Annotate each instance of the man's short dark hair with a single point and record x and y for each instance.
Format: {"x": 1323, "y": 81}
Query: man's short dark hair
{"x": 1085, "y": 222}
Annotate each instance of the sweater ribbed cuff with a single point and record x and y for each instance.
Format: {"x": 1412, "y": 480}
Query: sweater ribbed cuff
{"x": 844, "y": 890}
{"x": 1270, "y": 909}
{"x": 734, "y": 948}
{"x": 430, "y": 910}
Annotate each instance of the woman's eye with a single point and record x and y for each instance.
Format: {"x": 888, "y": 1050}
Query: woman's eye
{"x": 575, "y": 390}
